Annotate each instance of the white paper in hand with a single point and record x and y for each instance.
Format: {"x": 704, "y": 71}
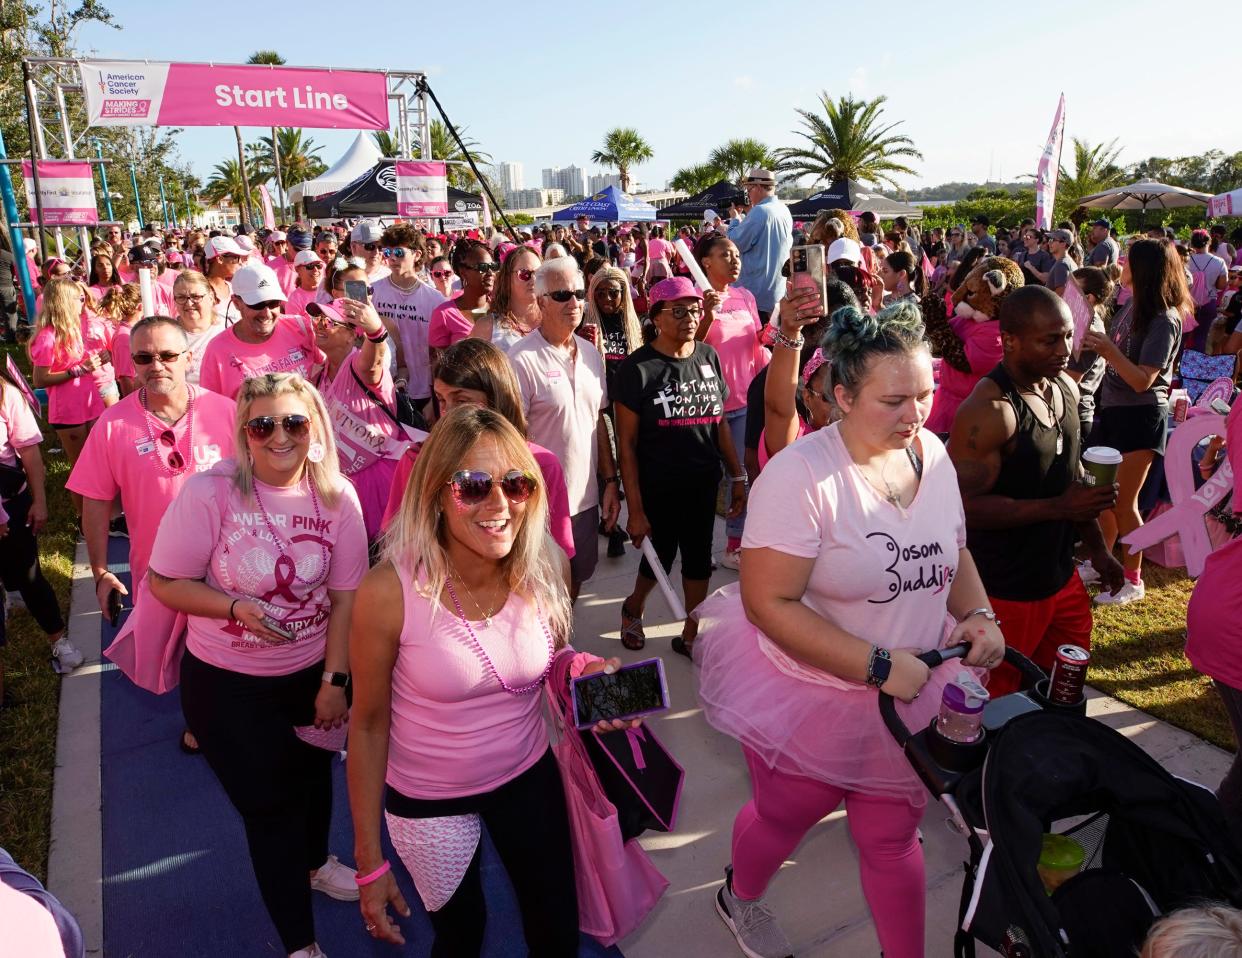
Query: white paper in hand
{"x": 1081, "y": 310}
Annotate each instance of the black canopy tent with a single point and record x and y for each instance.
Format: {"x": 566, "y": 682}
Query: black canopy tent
{"x": 716, "y": 197}
{"x": 374, "y": 193}
{"x": 851, "y": 195}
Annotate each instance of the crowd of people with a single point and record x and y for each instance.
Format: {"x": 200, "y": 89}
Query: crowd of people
{"x": 364, "y": 471}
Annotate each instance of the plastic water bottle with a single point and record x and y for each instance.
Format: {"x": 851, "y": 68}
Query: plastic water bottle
{"x": 961, "y": 709}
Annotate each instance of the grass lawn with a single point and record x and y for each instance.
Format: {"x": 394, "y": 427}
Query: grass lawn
{"x": 32, "y": 689}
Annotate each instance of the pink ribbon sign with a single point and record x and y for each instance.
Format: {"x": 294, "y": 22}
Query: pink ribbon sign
{"x": 1186, "y": 517}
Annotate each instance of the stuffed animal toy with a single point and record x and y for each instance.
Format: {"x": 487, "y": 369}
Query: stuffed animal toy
{"x": 977, "y": 300}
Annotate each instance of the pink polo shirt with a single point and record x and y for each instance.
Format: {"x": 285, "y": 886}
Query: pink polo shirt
{"x": 286, "y": 562}
{"x": 122, "y": 358}
{"x": 76, "y": 401}
{"x": 124, "y": 455}
{"x": 228, "y": 362}
{"x": 298, "y": 298}
{"x": 448, "y": 325}
{"x": 562, "y": 398}
{"x": 18, "y": 426}
{"x": 734, "y": 334}
{"x": 455, "y": 730}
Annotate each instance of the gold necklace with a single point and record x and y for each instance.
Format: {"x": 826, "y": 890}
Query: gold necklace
{"x": 485, "y": 616}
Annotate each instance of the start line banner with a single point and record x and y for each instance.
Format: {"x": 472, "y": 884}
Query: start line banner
{"x": 138, "y": 93}
{"x": 67, "y": 189}
{"x": 422, "y": 188}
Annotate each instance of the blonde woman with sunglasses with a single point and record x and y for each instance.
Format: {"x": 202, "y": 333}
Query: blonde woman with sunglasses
{"x": 263, "y": 554}
{"x": 515, "y": 310}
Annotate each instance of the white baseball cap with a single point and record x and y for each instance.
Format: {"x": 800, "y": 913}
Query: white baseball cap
{"x": 219, "y": 245}
{"x": 306, "y": 257}
{"x": 276, "y": 236}
{"x": 846, "y": 249}
{"x": 256, "y": 284}
{"x": 368, "y": 231}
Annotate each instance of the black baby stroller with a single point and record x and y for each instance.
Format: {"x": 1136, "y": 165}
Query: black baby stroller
{"x": 1152, "y": 842}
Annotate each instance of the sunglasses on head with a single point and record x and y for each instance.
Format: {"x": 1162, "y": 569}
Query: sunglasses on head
{"x": 441, "y": 273}
{"x": 565, "y": 295}
{"x": 525, "y": 275}
{"x": 261, "y": 427}
{"x": 166, "y": 356}
{"x": 472, "y": 486}
{"x": 483, "y": 267}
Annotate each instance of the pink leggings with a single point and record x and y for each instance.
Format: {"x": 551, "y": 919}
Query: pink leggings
{"x": 784, "y": 807}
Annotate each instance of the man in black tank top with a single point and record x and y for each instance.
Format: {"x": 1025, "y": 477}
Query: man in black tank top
{"x": 1016, "y": 445}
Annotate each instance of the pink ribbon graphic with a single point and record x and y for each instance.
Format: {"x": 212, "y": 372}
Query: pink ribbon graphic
{"x": 285, "y": 572}
{"x": 1186, "y": 517}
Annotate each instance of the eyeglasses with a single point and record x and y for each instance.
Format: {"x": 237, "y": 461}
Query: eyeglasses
{"x": 483, "y": 267}
{"x": 441, "y": 273}
{"x": 176, "y": 461}
{"x": 609, "y": 290}
{"x": 189, "y": 299}
{"x": 472, "y": 486}
{"x": 565, "y": 295}
{"x": 316, "y": 265}
{"x": 525, "y": 275}
{"x": 262, "y": 427}
{"x": 166, "y": 356}
{"x": 681, "y": 312}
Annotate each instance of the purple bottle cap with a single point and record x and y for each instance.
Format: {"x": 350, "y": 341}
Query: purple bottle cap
{"x": 964, "y": 695}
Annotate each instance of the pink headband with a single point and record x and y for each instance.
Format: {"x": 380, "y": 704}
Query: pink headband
{"x": 817, "y": 359}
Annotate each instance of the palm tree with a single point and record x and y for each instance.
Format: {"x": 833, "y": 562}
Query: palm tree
{"x": 444, "y": 147}
{"x": 389, "y": 144}
{"x": 270, "y": 58}
{"x": 1095, "y": 169}
{"x": 736, "y": 158}
{"x": 228, "y": 180}
{"x": 298, "y": 155}
{"x": 695, "y": 179}
{"x": 849, "y": 141}
{"x": 623, "y": 148}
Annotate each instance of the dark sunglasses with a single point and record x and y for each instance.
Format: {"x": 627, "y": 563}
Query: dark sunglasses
{"x": 609, "y": 290}
{"x": 176, "y": 461}
{"x": 441, "y": 273}
{"x": 261, "y": 427}
{"x": 472, "y": 486}
{"x": 565, "y": 295}
{"x": 315, "y": 265}
{"x": 483, "y": 267}
{"x": 272, "y": 304}
{"x": 166, "y": 356}
{"x": 371, "y": 247}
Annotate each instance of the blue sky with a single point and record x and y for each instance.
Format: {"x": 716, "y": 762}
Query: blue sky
{"x": 540, "y": 83}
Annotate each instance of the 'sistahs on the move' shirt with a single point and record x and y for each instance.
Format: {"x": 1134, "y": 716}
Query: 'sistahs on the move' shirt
{"x": 679, "y": 404}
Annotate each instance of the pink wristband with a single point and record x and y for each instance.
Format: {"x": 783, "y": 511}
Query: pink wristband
{"x": 380, "y": 872}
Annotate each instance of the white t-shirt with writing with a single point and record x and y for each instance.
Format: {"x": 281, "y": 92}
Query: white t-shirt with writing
{"x": 409, "y": 312}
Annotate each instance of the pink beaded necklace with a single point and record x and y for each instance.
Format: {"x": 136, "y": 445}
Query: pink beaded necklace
{"x": 168, "y": 431}
{"x": 481, "y": 652}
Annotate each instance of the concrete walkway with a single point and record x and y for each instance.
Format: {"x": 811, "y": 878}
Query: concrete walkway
{"x": 816, "y": 894}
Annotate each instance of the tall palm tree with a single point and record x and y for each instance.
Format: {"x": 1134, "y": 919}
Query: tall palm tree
{"x": 849, "y": 141}
{"x": 623, "y": 148}
{"x": 228, "y": 180}
{"x": 696, "y": 178}
{"x": 270, "y": 58}
{"x": 388, "y": 143}
{"x": 734, "y": 159}
{"x": 297, "y": 153}
{"x": 1095, "y": 169}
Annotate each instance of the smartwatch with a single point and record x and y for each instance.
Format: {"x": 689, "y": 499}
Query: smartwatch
{"x": 337, "y": 679}
{"x": 879, "y": 666}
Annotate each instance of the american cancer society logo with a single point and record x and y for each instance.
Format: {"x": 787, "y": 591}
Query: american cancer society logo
{"x": 122, "y": 93}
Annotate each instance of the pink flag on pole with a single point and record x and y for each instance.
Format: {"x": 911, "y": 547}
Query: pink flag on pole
{"x": 269, "y": 217}
{"x": 1049, "y": 166}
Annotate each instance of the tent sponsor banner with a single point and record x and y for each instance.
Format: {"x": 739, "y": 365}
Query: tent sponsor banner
{"x": 67, "y": 188}
{"x": 120, "y": 93}
{"x": 465, "y": 221}
{"x": 422, "y": 188}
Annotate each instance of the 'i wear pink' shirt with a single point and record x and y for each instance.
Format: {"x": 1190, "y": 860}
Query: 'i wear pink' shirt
{"x": 455, "y": 730}
{"x": 448, "y": 325}
{"x": 228, "y": 362}
{"x": 75, "y": 401}
{"x": 125, "y": 454}
{"x": 734, "y": 334}
{"x": 284, "y": 554}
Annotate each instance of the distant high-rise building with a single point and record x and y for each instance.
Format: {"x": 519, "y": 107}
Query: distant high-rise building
{"x": 533, "y": 198}
{"x": 601, "y": 181}
{"x": 510, "y": 176}
{"x": 571, "y": 179}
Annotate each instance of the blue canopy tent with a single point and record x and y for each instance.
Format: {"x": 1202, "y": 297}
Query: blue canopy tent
{"x": 610, "y": 205}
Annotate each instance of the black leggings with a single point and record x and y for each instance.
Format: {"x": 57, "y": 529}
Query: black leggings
{"x": 281, "y": 786}
{"x": 20, "y": 570}
{"x": 527, "y": 822}
{"x": 683, "y": 518}
{"x": 1230, "y": 790}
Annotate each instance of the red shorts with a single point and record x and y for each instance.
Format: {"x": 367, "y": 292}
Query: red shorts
{"x": 1036, "y": 629}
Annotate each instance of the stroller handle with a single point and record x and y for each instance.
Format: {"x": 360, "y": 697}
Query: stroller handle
{"x": 1031, "y": 674}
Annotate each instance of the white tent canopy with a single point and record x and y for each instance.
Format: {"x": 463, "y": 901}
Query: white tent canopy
{"x": 360, "y": 157}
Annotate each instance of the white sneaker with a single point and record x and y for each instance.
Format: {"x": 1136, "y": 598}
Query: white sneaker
{"x": 732, "y": 559}
{"x": 314, "y": 951}
{"x": 1086, "y": 572}
{"x": 1126, "y": 594}
{"x": 13, "y": 600}
{"x": 336, "y": 881}
{"x": 65, "y": 655}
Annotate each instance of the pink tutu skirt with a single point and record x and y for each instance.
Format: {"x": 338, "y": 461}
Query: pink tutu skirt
{"x": 830, "y": 731}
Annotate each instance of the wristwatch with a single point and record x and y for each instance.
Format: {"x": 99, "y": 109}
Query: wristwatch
{"x": 338, "y": 679}
{"x": 879, "y": 666}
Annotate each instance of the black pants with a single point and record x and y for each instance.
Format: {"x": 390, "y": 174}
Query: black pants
{"x": 20, "y": 571}
{"x": 1230, "y": 790}
{"x": 281, "y": 786}
{"x": 683, "y": 519}
{"x": 527, "y": 822}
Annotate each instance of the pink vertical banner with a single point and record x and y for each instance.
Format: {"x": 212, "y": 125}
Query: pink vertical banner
{"x": 487, "y": 213}
{"x": 67, "y": 189}
{"x": 265, "y": 199}
{"x": 1049, "y": 167}
{"x": 422, "y": 188}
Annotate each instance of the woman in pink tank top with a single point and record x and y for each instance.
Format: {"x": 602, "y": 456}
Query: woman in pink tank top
{"x": 453, "y": 637}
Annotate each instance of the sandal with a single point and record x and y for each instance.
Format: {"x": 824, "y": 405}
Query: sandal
{"x": 632, "y": 635}
{"x": 682, "y": 647}
{"x": 186, "y": 746}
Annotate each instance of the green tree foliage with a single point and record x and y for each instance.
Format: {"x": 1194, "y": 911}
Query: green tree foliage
{"x": 735, "y": 158}
{"x": 849, "y": 140}
{"x": 299, "y": 157}
{"x": 226, "y": 181}
{"x": 695, "y": 179}
{"x": 623, "y": 148}
{"x": 1095, "y": 169}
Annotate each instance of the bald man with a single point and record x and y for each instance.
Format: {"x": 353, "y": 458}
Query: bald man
{"x": 1016, "y": 445}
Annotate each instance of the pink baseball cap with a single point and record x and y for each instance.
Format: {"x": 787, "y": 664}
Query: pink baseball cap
{"x": 675, "y": 287}
{"x": 173, "y": 256}
{"x": 332, "y": 310}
